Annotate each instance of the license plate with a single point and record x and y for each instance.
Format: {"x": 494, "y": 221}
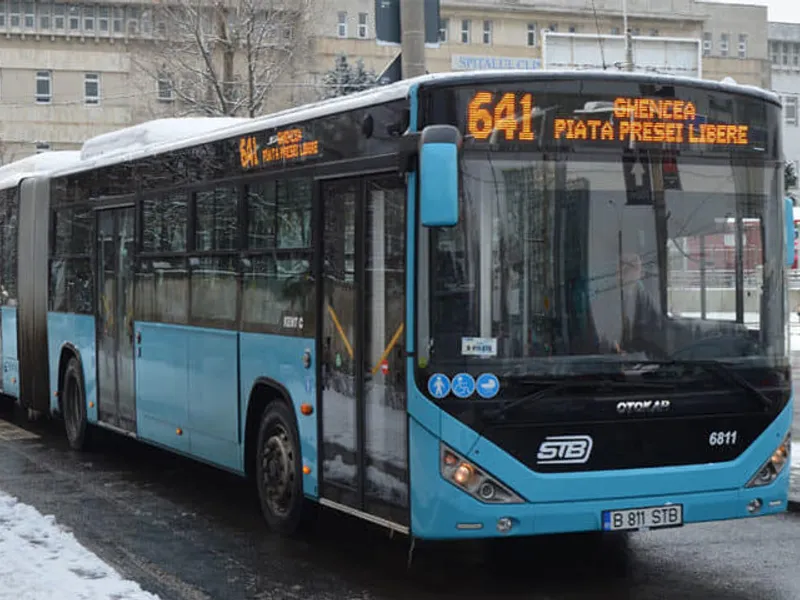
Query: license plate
{"x": 651, "y": 517}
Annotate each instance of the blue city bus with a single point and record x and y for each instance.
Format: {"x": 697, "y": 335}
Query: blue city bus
{"x": 462, "y": 305}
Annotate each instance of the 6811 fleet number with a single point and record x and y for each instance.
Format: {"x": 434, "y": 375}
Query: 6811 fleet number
{"x": 722, "y": 438}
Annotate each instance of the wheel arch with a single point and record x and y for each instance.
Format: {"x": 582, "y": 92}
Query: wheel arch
{"x": 264, "y": 392}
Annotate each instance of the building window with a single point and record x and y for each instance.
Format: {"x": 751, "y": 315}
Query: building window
{"x": 653, "y": 33}
{"x": 784, "y": 54}
{"x": 59, "y": 17}
{"x": 88, "y": 19}
{"x": 30, "y": 15}
{"x": 742, "y": 45}
{"x": 102, "y": 19}
{"x": 708, "y": 43}
{"x": 636, "y": 31}
{"x": 487, "y": 32}
{"x": 531, "y": 34}
{"x": 362, "y": 25}
{"x": 615, "y": 31}
{"x": 573, "y": 28}
{"x": 146, "y": 23}
{"x": 466, "y": 24}
{"x": 723, "y": 44}
{"x": 444, "y": 26}
{"x": 74, "y": 18}
{"x": 165, "y": 93}
{"x": 133, "y": 20}
{"x": 790, "y": 110}
{"x": 42, "y": 147}
{"x": 44, "y": 17}
{"x": 796, "y": 56}
{"x": 341, "y": 27}
{"x": 774, "y": 50}
{"x": 14, "y": 13}
{"x": 91, "y": 88}
{"x": 118, "y": 20}
{"x": 44, "y": 93}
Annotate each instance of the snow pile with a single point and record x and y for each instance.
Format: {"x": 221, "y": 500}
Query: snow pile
{"x": 40, "y": 561}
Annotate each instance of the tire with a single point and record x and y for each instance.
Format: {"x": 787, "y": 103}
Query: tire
{"x": 278, "y": 469}
{"x": 73, "y": 405}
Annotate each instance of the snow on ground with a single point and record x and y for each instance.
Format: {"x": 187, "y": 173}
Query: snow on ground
{"x": 39, "y": 560}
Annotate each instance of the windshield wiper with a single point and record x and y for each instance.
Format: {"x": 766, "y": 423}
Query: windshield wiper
{"x": 721, "y": 370}
{"x": 555, "y": 388}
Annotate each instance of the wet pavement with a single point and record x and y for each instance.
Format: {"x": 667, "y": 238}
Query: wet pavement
{"x": 794, "y": 494}
{"x": 187, "y": 531}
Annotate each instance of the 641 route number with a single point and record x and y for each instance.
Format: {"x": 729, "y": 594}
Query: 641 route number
{"x": 722, "y": 438}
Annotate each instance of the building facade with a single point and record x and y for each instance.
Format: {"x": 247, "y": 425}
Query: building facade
{"x": 735, "y": 43}
{"x": 784, "y": 48}
{"x": 69, "y": 71}
{"x": 498, "y": 34}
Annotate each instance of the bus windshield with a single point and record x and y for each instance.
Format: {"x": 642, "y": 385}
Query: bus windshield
{"x": 561, "y": 266}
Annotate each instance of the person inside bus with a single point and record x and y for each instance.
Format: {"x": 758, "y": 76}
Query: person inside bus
{"x": 643, "y": 325}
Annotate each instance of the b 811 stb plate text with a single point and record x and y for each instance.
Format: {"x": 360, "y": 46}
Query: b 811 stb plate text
{"x": 651, "y": 517}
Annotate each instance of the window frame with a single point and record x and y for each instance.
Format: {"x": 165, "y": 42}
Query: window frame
{"x": 88, "y": 79}
{"x": 363, "y": 26}
{"x": 45, "y": 75}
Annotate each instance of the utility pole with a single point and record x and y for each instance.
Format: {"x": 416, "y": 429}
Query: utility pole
{"x": 412, "y": 27}
{"x": 628, "y": 37}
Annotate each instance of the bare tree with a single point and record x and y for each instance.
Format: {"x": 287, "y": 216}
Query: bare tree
{"x": 225, "y": 57}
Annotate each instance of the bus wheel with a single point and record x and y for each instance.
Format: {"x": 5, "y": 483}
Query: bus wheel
{"x": 7, "y": 405}
{"x": 73, "y": 403}
{"x": 278, "y": 470}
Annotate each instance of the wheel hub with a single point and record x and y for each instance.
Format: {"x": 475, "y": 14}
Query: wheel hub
{"x": 278, "y": 467}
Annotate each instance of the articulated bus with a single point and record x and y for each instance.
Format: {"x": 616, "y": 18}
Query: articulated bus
{"x": 457, "y": 306}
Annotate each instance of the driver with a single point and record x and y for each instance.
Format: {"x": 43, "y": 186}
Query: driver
{"x": 642, "y": 323}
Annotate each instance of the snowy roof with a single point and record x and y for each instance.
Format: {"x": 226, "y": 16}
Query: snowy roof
{"x": 173, "y": 135}
{"x": 12, "y": 173}
{"x": 152, "y": 133}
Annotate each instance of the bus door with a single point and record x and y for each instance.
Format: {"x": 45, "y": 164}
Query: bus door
{"x": 361, "y": 360}
{"x": 114, "y": 320}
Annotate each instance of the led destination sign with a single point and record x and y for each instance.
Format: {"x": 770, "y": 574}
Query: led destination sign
{"x": 510, "y": 117}
{"x": 284, "y": 145}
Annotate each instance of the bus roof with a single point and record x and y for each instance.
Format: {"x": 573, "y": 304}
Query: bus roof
{"x": 12, "y": 173}
{"x": 152, "y": 133}
{"x": 195, "y": 132}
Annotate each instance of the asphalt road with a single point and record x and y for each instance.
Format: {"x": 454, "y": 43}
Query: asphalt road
{"x": 186, "y": 531}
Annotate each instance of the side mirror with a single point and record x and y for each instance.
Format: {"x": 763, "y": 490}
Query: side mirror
{"x": 788, "y": 207}
{"x": 439, "y": 149}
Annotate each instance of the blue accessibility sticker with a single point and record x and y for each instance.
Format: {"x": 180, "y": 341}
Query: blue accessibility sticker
{"x": 463, "y": 385}
{"x": 438, "y": 385}
{"x": 487, "y": 385}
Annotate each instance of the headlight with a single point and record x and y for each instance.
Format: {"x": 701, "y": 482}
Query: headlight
{"x": 770, "y": 470}
{"x": 465, "y": 475}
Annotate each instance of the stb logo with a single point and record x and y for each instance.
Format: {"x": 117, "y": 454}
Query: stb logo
{"x": 564, "y": 450}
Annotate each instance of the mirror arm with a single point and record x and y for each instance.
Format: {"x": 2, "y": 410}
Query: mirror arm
{"x": 408, "y": 153}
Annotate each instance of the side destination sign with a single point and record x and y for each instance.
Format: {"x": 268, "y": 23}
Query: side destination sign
{"x": 286, "y": 145}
